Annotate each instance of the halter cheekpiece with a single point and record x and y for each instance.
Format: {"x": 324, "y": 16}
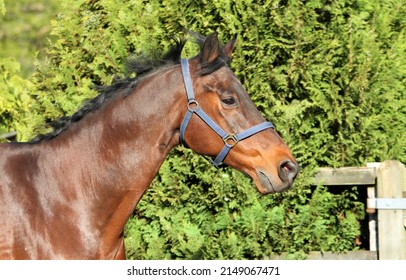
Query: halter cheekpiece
{"x": 230, "y": 140}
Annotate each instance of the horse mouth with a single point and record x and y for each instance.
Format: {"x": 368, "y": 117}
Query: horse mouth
{"x": 267, "y": 185}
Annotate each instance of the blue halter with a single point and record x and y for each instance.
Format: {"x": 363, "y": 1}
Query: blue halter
{"x": 230, "y": 140}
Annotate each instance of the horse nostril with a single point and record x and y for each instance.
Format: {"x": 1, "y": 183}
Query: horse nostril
{"x": 288, "y": 170}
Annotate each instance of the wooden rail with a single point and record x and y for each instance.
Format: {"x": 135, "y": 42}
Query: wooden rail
{"x": 8, "y": 135}
{"x": 346, "y": 176}
{"x": 386, "y": 184}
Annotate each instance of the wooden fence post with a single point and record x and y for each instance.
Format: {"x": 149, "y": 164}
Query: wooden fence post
{"x": 372, "y": 215}
{"x": 391, "y": 229}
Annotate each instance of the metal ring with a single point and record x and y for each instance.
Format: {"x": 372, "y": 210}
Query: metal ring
{"x": 230, "y": 138}
{"x": 192, "y": 105}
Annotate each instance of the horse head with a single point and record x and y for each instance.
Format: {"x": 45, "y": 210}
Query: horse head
{"x": 223, "y": 123}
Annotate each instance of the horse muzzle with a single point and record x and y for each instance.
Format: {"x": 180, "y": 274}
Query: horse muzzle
{"x": 270, "y": 183}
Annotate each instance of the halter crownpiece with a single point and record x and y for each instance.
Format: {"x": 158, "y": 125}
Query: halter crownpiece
{"x": 230, "y": 140}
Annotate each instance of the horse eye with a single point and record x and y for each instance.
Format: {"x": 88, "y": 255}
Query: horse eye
{"x": 229, "y": 101}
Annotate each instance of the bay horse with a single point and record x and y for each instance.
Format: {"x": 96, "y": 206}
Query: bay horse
{"x": 68, "y": 194}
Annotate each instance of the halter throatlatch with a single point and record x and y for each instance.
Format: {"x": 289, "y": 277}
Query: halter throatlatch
{"x": 230, "y": 140}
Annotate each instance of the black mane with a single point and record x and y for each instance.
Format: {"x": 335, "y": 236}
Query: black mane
{"x": 139, "y": 67}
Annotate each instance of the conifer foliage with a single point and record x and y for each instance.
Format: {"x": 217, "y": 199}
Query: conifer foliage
{"x": 329, "y": 74}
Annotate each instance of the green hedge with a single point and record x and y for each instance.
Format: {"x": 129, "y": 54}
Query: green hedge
{"x": 329, "y": 74}
{"x": 15, "y": 100}
{"x": 24, "y": 29}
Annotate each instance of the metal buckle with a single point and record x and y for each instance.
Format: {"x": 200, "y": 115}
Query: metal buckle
{"x": 231, "y": 140}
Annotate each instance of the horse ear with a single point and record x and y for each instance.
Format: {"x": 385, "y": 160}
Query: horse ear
{"x": 211, "y": 49}
{"x": 229, "y": 47}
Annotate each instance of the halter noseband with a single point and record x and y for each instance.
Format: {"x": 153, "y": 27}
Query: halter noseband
{"x": 230, "y": 140}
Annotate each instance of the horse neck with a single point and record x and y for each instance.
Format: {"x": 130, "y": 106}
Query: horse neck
{"x": 110, "y": 158}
